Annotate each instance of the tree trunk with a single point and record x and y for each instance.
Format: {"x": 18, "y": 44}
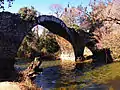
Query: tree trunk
{"x": 31, "y": 72}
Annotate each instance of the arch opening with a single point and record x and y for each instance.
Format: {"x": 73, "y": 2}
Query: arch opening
{"x": 66, "y": 51}
{"x": 58, "y": 27}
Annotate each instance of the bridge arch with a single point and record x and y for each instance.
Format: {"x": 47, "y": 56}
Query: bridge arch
{"x": 57, "y": 26}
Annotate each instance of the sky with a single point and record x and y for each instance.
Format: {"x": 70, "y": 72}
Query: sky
{"x": 43, "y": 6}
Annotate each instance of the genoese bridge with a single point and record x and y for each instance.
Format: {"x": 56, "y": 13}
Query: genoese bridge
{"x": 13, "y": 29}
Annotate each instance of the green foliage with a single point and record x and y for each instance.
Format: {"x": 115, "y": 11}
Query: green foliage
{"x": 44, "y": 44}
{"x": 24, "y": 50}
{"x": 76, "y": 27}
{"x": 51, "y": 44}
{"x": 47, "y": 42}
{"x": 28, "y": 13}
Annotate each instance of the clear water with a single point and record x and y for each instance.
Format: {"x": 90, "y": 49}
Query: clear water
{"x": 55, "y": 77}
{"x": 63, "y": 77}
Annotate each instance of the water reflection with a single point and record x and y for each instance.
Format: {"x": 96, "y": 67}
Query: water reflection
{"x": 48, "y": 78}
{"x": 68, "y": 64}
{"x": 65, "y": 76}
{"x": 59, "y": 76}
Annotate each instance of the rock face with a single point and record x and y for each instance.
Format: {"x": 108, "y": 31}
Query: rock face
{"x": 13, "y": 29}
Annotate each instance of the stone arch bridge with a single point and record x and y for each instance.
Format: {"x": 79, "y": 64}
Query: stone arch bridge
{"x": 13, "y": 30}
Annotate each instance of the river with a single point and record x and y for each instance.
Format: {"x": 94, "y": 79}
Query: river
{"x": 57, "y": 76}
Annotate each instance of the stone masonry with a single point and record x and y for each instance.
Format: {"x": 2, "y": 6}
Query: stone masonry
{"x": 13, "y": 30}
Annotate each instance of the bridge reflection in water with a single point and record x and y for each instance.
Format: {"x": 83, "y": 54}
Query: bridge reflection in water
{"x": 64, "y": 77}
{"x": 58, "y": 76}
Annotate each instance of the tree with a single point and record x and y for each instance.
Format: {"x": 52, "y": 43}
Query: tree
{"x": 28, "y": 13}
{"x": 56, "y": 9}
{"x": 103, "y": 22}
{"x": 51, "y": 45}
{"x": 70, "y": 16}
{"x": 48, "y": 42}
